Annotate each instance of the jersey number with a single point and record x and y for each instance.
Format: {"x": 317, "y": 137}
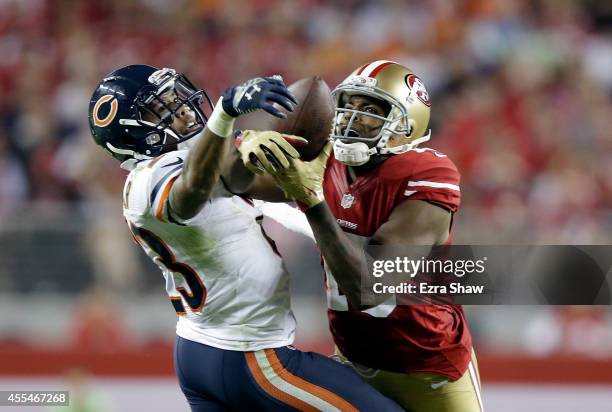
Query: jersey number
{"x": 336, "y": 300}
{"x": 164, "y": 256}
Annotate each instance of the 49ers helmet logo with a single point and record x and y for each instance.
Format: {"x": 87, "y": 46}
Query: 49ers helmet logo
{"x": 110, "y": 115}
{"x": 417, "y": 88}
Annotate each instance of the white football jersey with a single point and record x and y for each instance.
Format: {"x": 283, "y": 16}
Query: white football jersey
{"x": 223, "y": 275}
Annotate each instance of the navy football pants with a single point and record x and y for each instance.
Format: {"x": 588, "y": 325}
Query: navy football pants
{"x": 281, "y": 379}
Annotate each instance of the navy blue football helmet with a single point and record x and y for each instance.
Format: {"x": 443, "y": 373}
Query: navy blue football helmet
{"x": 131, "y": 112}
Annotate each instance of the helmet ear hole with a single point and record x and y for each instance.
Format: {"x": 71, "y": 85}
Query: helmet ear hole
{"x": 411, "y": 127}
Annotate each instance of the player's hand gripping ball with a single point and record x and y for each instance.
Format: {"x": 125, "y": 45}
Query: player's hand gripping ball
{"x": 258, "y": 93}
{"x": 306, "y": 129}
{"x": 267, "y": 151}
{"x": 311, "y": 119}
{"x": 303, "y": 181}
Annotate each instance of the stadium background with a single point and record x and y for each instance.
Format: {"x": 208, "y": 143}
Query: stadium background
{"x": 521, "y": 102}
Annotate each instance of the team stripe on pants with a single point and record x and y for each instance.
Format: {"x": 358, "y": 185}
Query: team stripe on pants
{"x": 279, "y": 383}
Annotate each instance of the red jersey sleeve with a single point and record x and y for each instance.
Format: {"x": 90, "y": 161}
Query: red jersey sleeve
{"x": 433, "y": 178}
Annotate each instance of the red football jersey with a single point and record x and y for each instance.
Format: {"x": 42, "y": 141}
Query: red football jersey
{"x": 403, "y": 338}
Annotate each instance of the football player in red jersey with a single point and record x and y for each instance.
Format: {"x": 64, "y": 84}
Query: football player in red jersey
{"x": 380, "y": 188}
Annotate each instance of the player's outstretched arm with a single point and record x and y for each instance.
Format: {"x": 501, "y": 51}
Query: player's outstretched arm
{"x": 206, "y": 158}
{"x": 270, "y": 150}
{"x": 414, "y": 222}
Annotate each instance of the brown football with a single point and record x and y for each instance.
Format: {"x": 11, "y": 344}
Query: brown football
{"x": 312, "y": 118}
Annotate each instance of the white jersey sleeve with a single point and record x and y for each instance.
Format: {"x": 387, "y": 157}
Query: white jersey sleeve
{"x": 223, "y": 275}
{"x": 148, "y": 186}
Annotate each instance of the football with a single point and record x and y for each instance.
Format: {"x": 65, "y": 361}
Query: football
{"x": 312, "y": 118}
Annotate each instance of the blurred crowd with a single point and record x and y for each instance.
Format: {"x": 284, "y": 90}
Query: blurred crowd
{"x": 521, "y": 91}
{"x": 522, "y": 100}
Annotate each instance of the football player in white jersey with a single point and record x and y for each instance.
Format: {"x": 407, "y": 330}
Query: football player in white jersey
{"x": 224, "y": 277}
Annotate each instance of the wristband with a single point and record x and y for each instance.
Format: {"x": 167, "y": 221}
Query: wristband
{"x": 220, "y": 123}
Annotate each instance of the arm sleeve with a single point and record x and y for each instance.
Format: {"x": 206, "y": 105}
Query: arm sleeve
{"x": 435, "y": 179}
{"x": 163, "y": 173}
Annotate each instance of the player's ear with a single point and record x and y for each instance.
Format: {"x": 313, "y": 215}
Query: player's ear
{"x": 398, "y": 140}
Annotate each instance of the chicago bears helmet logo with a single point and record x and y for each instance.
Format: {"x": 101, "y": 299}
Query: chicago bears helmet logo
{"x": 417, "y": 88}
{"x": 110, "y": 115}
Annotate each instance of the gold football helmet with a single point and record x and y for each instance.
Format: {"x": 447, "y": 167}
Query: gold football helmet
{"x": 410, "y": 105}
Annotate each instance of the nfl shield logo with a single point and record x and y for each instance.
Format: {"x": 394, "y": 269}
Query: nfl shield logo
{"x": 347, "y": 201}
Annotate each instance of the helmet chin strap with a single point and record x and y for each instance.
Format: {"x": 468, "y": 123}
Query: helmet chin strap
{"x": 129, "y": 164}
{"x": 358, "y": 153}
{"x": 353, "y": 154}
{"x": 405, "y": 147}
